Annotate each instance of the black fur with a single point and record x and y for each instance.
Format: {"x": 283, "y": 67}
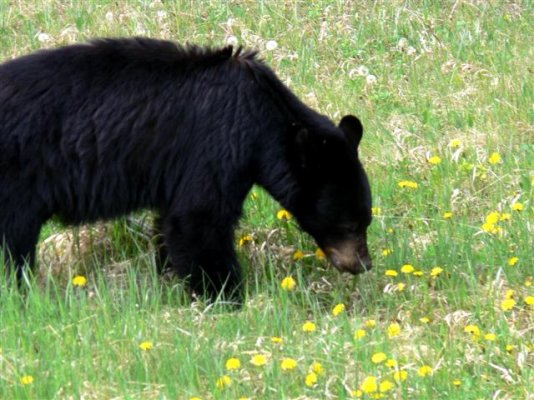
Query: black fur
{"x": 99, "y": 130}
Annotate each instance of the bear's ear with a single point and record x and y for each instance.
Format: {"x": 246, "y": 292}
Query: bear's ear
{"x": 353, "y": 130}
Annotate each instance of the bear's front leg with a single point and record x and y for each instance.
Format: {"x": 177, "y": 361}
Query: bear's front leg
{"x": 200, "y": 248}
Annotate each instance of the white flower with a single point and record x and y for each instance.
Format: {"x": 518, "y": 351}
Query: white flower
{"x": 271, "y": 45}
{"x": 109, "y": 16}
{"x": 232, "y": 40}
{"x": 43, "y": 37}
{"x": 370, "y": 80}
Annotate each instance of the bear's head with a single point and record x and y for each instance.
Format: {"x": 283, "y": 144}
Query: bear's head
{"x": 333, "y": 201}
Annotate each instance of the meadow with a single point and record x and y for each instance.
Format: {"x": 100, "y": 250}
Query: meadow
{"x": 445, "y": 91}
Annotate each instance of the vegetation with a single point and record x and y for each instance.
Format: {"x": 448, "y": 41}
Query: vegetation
{"x": 445, "y": 91}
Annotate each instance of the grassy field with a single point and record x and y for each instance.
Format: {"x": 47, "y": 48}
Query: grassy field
{"x": 445, "y": 91}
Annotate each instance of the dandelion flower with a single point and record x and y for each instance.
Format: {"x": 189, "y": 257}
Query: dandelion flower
{"x": 369, "y": 385}
{"x": 385, "y": 386}
{"x": 455, "y": 143}
{"x": 284, "y": 214}
{"x": 508, "y": 304}
{"x": 387, "y": 252}
{"x": 494, "y": 158}
{"x": 457, "y": 382}
{"x": 309, "y": 326}
{"x": 357, "y": 393}
{"x": 370, "y": 323}
{"x": 418, "y": 273}
{"x": 394, "y": 330}
{"x": 320, "y": 254}
{"x": 424, "y": 320}
{"x": 529, "y": 300}
{"x": 510, "y": 293}
{"x": 391, "y": 272}
{"x": 311, "y": 379}
{"x": 391, "y": 363}
{"x": 360, "y": 334}
{"x": 288, "y": 283}
{"x": 26, "y": 380}
{"x": 407, "y": 269}
{"x": 447, "y": 215}
{"x": 298, "y": 255}
{"x": 509, "y": 348}
{"x": 376, "y": 211}
{"x": 473, "y": 330}
{"x": 490, "y": 337}
{"x": 79, "y": 280}
{"x": 233, "y": 364}
{"x": 401, "y": 286}
{"x": 518, "y": 207}
{"x": 436, "y": 271}
{"x": 505, "y": 217}
{"x": 425, "y": 370}
{"x": 277, "y": 340}
{"x": 146, "y": 346}
{"x": 435, "y": 160}
{"x": 513, "y": 261}
{"x": 258, "y": 360}
{"x": 377, "y": 358}
{"x": 408, "y": 184}
{"x": 400, "y": 375}
{"x": 223, "y": 382}
{"x": 271, "y": 45}
{"x": 493, "y": 217}
{"x": 317, "y": 367}
{"x": 338, "y": 309}
{"x": 245, "y": 240}
{"x": 288, "y": 364}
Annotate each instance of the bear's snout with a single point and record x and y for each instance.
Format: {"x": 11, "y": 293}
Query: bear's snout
{"x": 350, "y": 255}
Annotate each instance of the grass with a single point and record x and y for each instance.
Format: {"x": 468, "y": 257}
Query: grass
{"x": 444, "y": 72}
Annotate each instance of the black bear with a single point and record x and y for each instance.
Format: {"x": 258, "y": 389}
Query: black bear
{"x": 98, "y": 130}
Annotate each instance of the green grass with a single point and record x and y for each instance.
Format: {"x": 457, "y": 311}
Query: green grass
{"x": 444, "y": 71}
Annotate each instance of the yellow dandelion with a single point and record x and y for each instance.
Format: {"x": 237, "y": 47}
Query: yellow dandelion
{"x": 518, "y": 207}
{"x": 473, "y": 330}
{"x": 377, "y": 358}
{"x": 360, "y": 334}
{"x": 284, "y": 215}
{"x": 385, "y": 386}
{"x": 457, "y": 382}
{"x": 309, "y": 326}
{"x": 370, "y": 323}
{"x": 418, "y": 273}
{"x": 258, "y": 360}
{"x": 401, "y": 286}
{"x": 298, "y": 255}
{"x": 338, "y": 309}
{"x": 493, "y": 217}
{"x": 79, "y": 280}
{"x": 376, "y": 211}
{"x": 394, "y": 330}
{"x": 529, "y": 300}
{"x": 400, "y": 375}
{"x": 320, "y": 254}
{"x": 510, "y": 293}
{"x": 391, "y": 363}
{"x": 26, "y": 380}
{"x": 146, "y": 346}
{"x": 277, "y": 340}
{"x": 391, "y": 272}
{"x": 455, "y": 143}
{"x": 195, "y": 398}
{"x": 509, "y": 348}
{"x": 369, "y": 385}
{"x": 528, "y": 282}
{"x": 233, "y": 364}
{"x": 245, "y": 240}
{"x": 505, "y": 217}
{"x": 424, "y": 320}
{"x": 223, "y": 382}
{"x": 508, "y": 304}
{"x": 447, "y": 215}
{"x": 513, "y": 261}
{"x": 425, "y": 370}
{"x": 317, "y": 367}
{"x": 436, "y": 271}
{"x": 490, "y": 337}
{"x": 491, "y": 228}
{"x": 387, "y": 252}
{"x": 407, "y": 269}
{"x": 357, "y": 393}
{"x": 408, "y": 184}
{"x": 494, "y": 158}
{"x": 435, "y": 160}
{"x": 288, "y": 283}
{"x": 288, "y": 364}
{"x": 311, "y": 379}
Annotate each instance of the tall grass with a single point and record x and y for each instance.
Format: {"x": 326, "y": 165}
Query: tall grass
{"x": 452, "y": 80}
